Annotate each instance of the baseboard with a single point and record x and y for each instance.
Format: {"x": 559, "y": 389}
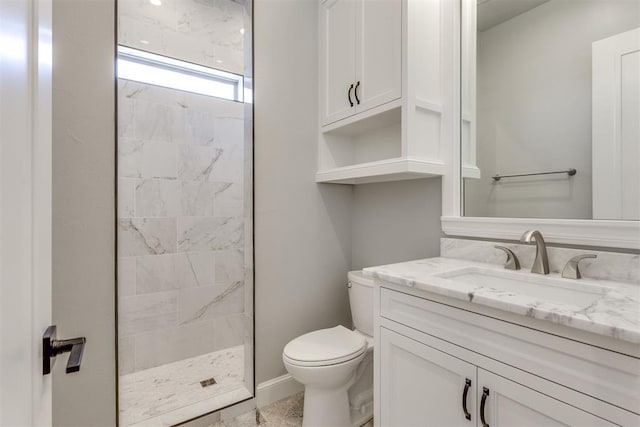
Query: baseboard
{"x": 276, "y": 389}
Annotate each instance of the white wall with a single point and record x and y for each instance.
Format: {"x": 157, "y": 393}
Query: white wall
{"x": 302, "y": 229}
{"x": 396, "y": 221}
{"x": 534, "y": 107}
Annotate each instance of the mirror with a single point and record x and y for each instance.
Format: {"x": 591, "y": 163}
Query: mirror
{"x": 550, "y": 109}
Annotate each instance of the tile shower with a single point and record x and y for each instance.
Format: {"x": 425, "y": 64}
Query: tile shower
{"x": 185, "y": 309}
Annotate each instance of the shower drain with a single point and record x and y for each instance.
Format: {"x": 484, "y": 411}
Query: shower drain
{"x": 208, "y": 382}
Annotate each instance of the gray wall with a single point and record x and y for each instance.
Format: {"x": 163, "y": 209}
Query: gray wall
{"x": 308, "y": 236}
{"x": 84, "y": 207}
{"x": 302, "y": 230}
{"x": 395, "y": 221}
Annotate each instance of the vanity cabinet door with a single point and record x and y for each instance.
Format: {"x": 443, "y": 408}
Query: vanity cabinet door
{"x": 337, "y": 59}
{"x": 421, "y": 386}
{"x": 508, "y": 404}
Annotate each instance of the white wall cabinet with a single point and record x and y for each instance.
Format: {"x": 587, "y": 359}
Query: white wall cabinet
{"x": 386, "y": 89}
{"x": 436, "y": 363}
{"x": 360, "y": 56}
{"x": 378, "y": 49}
{"x": 338, "y": 51}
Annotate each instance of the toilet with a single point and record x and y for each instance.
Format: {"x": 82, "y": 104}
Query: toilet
{"x": 335, "y": 365}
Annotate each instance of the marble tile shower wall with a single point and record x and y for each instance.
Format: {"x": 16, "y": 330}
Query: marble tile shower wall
{"x": 206, "y": 32}
{"x": 181, "y": 226}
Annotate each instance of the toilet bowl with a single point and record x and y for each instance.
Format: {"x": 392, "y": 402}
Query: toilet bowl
{"x": 336, "y": 365}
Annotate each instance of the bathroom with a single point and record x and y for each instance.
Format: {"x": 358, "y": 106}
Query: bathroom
{"x": 192, "y": 250}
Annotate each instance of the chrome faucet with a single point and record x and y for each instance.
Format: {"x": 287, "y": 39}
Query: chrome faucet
{"x": 571, "y": 270}
{"x": 541, "y": 263}
{"x": 513, "y": 263}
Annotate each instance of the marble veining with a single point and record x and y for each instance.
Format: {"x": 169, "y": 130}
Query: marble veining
{"x": 198, "y": 163}
{"x": 144, "y": 236}
{"x": 615, "y": 312}
{"x": 614, "y": 266}
{"x": 197, "y": 234}
{"x": 209, "y": 307}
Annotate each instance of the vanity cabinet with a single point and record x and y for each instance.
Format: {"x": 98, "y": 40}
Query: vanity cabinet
{"x": 508, "y": 403}
{"x": 360, "y": 56}
{"x": 421, "y": 385}
{"x": 438, "y": 364}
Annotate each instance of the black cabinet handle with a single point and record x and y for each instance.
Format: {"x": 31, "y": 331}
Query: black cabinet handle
{"x": 467, "y": 385}
{"x": 355, "y": 92}
{"x": 485, "y": 394}
{"x": 349, "y": 95}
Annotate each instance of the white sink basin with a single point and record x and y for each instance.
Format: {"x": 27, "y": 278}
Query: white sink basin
{"x": 574, "y": 292}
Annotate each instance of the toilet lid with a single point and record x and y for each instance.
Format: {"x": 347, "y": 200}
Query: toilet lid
{"x": 325, "y": 347}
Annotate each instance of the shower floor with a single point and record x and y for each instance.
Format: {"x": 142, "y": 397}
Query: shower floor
{"x": 172, "y": 393}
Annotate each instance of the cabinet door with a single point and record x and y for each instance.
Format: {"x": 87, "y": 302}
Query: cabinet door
{"x": 509, "y": 404}
{"x": 421, "y": 386}
{"x": 379, "y": 42}
{"x": 337, "y": 58}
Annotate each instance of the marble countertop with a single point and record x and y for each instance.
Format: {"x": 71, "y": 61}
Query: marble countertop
{"x": 615, "y": 312}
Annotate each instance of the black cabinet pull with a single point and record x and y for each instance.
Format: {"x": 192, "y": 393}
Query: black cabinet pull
{"x": 485, "y": 394}
{"x": 349, "y": 95}
{"x": 467, "y": 385}
{"x": 355, "y": 92}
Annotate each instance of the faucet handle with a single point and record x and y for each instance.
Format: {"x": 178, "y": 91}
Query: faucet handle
{"x": 513, "y": 263}
{"x": 571, "y": 270}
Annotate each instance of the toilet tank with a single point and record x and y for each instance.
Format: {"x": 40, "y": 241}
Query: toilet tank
{"x": 361, "y": 301}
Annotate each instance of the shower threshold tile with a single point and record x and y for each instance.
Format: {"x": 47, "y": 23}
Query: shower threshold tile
{"x": 172, "y": 393}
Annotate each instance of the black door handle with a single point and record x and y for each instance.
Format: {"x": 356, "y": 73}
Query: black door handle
{"x": 467, "y": 385}
{"x": 52, "y": 347}
{"x": 485, "y": 394}
{"x": 355, "y": 92}
{"x": 349, "y": 95}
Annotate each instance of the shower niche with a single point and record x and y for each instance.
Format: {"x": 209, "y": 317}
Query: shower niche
{"x": 185, "y": 224}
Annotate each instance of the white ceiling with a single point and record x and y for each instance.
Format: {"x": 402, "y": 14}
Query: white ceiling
{"x": 494, "y": 12}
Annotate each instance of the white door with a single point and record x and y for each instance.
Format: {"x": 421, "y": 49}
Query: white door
{"x": 421, "y": 386}
{"x": 508, "y": 404}
{"x": 379, "y": 50}
{"x": 25, "y": 210}
{"x": 338, "y": 59}
{"x": 57, "y": 209}
{"x": 616, "y": 127}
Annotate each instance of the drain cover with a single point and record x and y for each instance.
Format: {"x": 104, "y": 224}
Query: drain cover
{"x": 208, "y": 382}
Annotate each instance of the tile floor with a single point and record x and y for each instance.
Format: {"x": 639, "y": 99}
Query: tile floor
{"x": 170, "y": 393}
{"x": 284, "y": 413}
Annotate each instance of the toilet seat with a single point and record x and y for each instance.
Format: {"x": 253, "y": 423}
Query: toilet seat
{"x": 325, "y": 347}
